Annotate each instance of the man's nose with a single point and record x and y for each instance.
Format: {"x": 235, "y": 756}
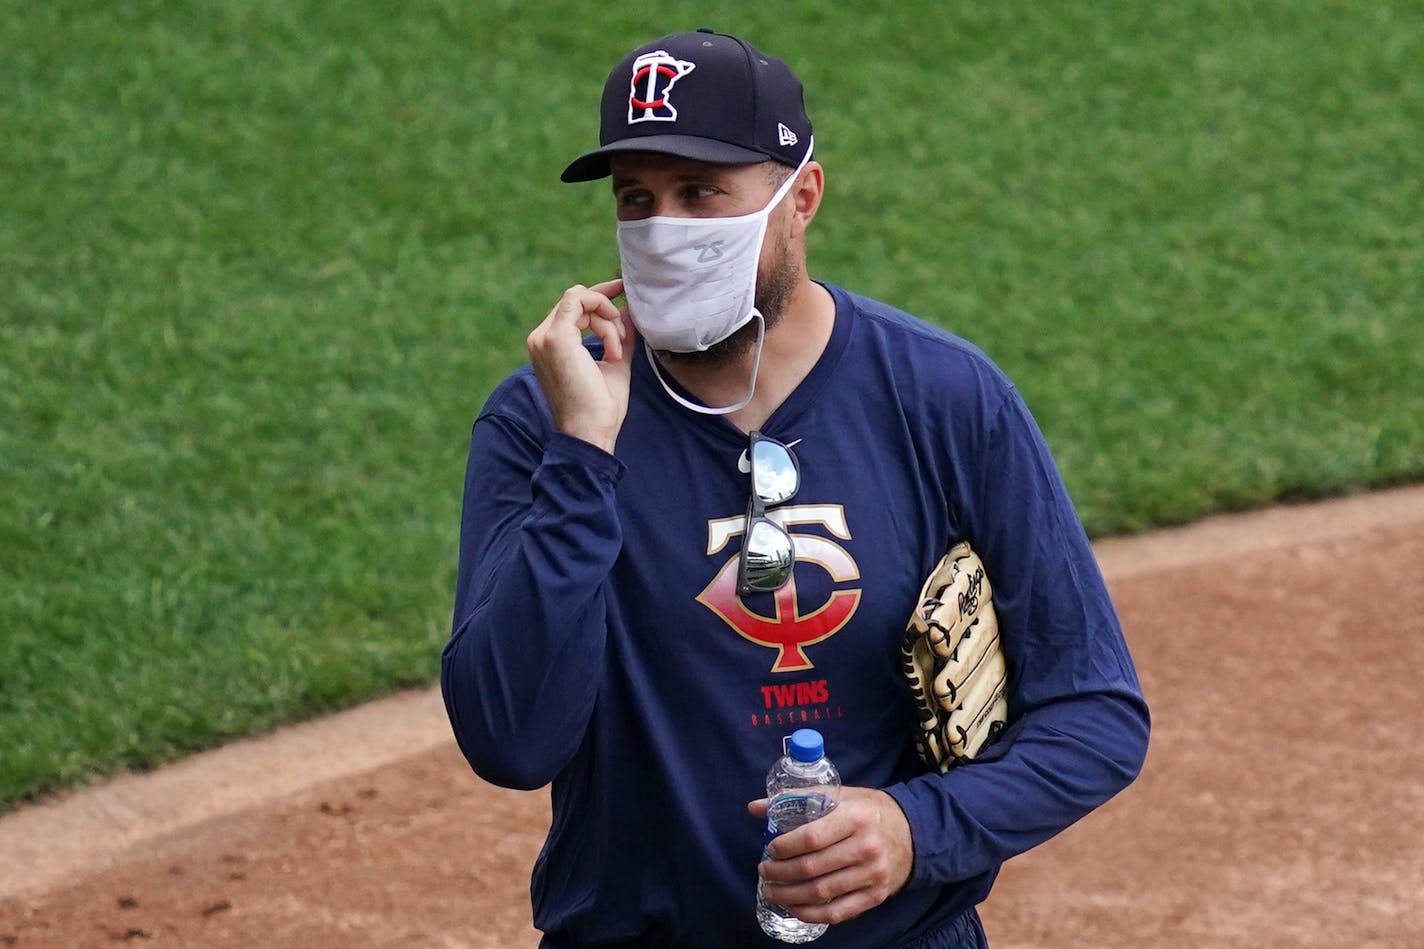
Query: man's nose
{"x": 665, "y": 205}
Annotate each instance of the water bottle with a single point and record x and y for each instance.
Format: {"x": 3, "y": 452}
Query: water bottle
{"x": 802, "y": 786}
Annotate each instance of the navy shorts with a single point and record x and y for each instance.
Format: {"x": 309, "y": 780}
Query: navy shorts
{"x": 966, "y": 932}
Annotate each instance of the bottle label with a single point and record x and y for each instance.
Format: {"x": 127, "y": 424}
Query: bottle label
{"x": 790, "y": 810}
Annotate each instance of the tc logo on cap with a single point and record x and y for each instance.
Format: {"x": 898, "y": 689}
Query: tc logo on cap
{"x": 653, "y": 77}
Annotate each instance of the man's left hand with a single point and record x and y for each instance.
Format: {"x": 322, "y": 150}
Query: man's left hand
{"x": 837, "y": 867}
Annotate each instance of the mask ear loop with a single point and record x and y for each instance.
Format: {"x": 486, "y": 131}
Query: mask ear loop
{"x": 707, "y": 409}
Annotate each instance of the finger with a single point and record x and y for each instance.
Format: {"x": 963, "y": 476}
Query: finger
{"x": 817, "y": 835}
{"x": 813, "y": 892}
{"x": 836, "y": 910}
{"x": 630, "y": 332}
{"x": 814, "y": 864}
{"x": 757, "y": 808}
{"x": 604, "y": 319}
{"x": 612, "y": 289}
{"x": 594, "y": 304}
{"x": 579, "y": 304}
{"x": 611, "y": 333}
{"x": 585, "y": 309}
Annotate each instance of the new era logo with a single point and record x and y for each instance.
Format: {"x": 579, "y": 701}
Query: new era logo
{"x": 784, "y": 135}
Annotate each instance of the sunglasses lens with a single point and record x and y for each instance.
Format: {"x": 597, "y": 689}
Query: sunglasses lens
{"x": 767, "y": 557}
{"x": 774, "y": 476}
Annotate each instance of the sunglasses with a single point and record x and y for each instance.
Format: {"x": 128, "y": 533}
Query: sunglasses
{"x": 767, "y": 553}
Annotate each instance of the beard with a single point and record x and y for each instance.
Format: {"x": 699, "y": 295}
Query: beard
{"x": 776, "y": 282}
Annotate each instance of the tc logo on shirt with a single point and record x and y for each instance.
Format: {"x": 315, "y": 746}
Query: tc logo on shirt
{"x": 789, "y": 631}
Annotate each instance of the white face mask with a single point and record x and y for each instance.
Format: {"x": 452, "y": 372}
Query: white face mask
{"x": 691, "y": 282}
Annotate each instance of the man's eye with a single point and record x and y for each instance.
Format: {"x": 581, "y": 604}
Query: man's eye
{"x": 700, "y": 192}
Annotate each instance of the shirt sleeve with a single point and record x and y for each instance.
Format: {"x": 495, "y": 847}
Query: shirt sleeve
{"x": 539, "y": 535}
{"x": 1078, "y": 723}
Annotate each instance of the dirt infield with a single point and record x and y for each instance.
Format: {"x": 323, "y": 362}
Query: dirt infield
{"x": 1282, "y": 803}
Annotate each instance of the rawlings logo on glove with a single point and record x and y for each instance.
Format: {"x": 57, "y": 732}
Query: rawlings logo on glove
{"x": 954, "y": 663}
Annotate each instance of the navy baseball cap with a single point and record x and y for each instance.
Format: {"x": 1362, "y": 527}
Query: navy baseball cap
{"x": 703, "y": 95}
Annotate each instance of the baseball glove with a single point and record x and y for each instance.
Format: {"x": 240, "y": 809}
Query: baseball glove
{"x": 953, "y": 660}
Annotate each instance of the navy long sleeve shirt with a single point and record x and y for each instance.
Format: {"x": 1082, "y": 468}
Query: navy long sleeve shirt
{"x": 599, "y": 642}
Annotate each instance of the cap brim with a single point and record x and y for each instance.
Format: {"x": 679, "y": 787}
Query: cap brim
{"x": 594, "y": 165}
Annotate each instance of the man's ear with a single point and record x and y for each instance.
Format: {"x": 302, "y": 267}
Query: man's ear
{"x": 806, "y": 197}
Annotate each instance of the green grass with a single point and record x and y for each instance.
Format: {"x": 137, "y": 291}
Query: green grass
{"x": 261, "y": 263}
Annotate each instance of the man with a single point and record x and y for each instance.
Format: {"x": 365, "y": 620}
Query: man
{"x": 620, "y": 633}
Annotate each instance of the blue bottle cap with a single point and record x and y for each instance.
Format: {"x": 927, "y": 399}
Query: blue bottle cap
{"x": 806, "y": 745}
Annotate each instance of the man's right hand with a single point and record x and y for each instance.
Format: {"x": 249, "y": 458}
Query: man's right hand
{"x": 588, "y": 397}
